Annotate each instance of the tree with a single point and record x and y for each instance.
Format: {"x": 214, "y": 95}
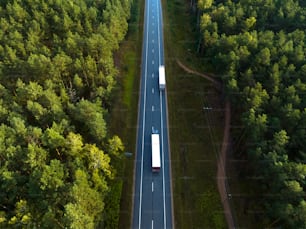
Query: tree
{"x": 52, "y": 138}
{"x": 256, "y": 123}
{"x": 91, "y": 115}
{"x": 256, "y": 96}
{"x": 22, "y": 215}
{"x": 37, "y": 110}
{"x": 53, "y": 176}
{"x": 86, "y": 203}
{"x": 74, "y": 144}
{"x": 258, "y": 51}
{"x": 97, "y": 160}
{"x": 249, "y": 23}
{"x": 204, "y": 4}
{"x": 263, "y": 57}
{"x": 36, "y": 156}
{"x": 38, "y": 65}
{"x": 115, "y": 146}
{"x": 205, "y": 21}
{"x": 57, "y": 75}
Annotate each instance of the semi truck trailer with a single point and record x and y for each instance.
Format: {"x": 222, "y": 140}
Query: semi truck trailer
{"x": 162, "y": 77}
{"x": 155, "y": 152}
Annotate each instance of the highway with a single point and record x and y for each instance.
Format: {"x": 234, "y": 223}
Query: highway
{"x": 152, "y": 204}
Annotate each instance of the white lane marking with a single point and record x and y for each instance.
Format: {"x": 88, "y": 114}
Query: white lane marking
{"x": 152, "y": 108}
{"x": 152, "y": 41}
{"x": 152, "y": 223}
{"x": 153, "y": 50}
{"x": 152, "y": 75}
{"x": 158, "y": 33}
{"x": 152, "y": 61}
{"x": 152, "y": 186}
{"x": 163, "y": 159}
{"x": 159, "y": 13}
{"x": 143, "y": 124}
{"x": 152, "y": 90}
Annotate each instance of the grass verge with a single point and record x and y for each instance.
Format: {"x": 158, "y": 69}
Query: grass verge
{"x": 195, "y": 134}
{"x": 125, "y": 107}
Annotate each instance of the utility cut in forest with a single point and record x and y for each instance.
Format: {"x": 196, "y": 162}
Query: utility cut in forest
{"x": 258, "y": 48}
{"x": 58, "y": 162}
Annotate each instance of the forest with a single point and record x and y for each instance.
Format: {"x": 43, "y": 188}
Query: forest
{"x": 257, "y": 47}
{"x": 58, "y": 161}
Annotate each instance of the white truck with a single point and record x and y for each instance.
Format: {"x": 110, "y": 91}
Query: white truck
{"x": 155, "y": 152}
{"x": 162, "y": 77}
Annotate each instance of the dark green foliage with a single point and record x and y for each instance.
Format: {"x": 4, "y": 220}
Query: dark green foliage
{"x": 56, "y": 77}
{"x": 258, "y": 47}
{"x": 112, "y": 200}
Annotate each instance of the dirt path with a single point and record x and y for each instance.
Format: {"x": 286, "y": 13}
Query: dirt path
{"x": 206, "y": 76}
{"x": 221, "y": 173}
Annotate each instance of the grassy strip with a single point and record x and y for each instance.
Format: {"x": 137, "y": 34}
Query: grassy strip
{"x": 243, "y": 196}
{"x": 125, "y": 108}
{"x": 195, "y": 134}
{"x": 129, "y": 59}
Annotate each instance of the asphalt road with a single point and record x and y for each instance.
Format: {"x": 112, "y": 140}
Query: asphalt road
{"x": 152, "y": 193}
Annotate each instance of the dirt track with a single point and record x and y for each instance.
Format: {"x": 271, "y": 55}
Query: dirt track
{"x": 221, "y": 173}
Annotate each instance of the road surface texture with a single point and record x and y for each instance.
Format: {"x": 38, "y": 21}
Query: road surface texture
{"x": 152, "y": 204}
